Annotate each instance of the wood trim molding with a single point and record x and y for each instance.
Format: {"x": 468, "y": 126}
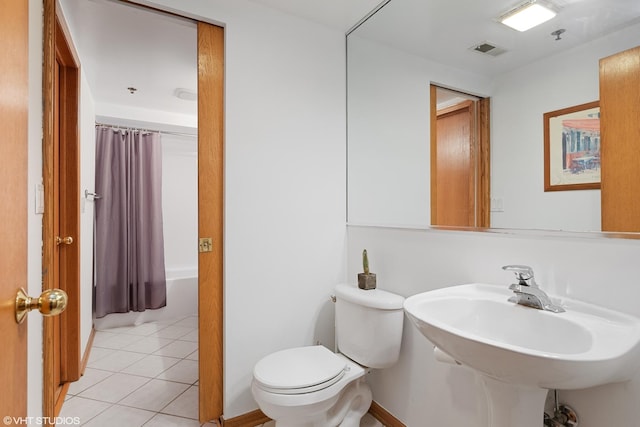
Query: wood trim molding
{"x": 433, "y": 119}
{"x": 69, "y": 192}
{"x": 87, "y": 350}
{"x": 65, "y": 387}
{"x": 48, "y": 95}
{"x": 250, "y": 419}
{"x": 454, "y": 108}
{"x": 483, "y": 198}
{"x": 384, "y": 416}
{"x": 61, "y": 397}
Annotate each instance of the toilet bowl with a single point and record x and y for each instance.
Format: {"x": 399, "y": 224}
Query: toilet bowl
{"x": 312, "y": 386}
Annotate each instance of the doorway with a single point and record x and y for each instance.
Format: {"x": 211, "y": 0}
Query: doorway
{"x": 210, "y": 42}
{"x": 460, "y": 193}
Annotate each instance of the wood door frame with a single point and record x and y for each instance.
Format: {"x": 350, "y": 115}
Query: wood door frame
{"x": 481, "y": 153}
{"x": 483, "y": 172}
{"x": 57, "y": 49}
{"x": 210, "y": 208}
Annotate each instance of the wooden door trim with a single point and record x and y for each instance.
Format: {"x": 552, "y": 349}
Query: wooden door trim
{"x": 433, "y": 156}
{"x": 48, "y": 88}
{"x": 454, "y": 108}
{"x": 483, "y": 194}
{"x": 70, "y": 206}
{"x": 56, "y": 49}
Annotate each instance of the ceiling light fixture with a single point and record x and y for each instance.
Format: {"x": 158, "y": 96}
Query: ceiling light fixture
{"x": 528, "y": 15}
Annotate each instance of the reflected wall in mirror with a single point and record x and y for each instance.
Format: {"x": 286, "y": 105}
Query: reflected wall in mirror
{"x": 394, "y": 56}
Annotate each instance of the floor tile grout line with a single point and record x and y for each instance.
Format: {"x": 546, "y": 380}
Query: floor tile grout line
{"x": 92, "y": 385}
{"x": 172, "y": 415}
{"x": 83, "y": 422}
{"x": 176, "y": 398}
{"x": 144, "y": 376}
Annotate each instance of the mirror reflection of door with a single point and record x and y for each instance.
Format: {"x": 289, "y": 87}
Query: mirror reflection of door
{"x": 459, "y": 159}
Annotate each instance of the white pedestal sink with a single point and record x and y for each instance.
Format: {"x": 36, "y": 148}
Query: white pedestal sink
{"x": 521, "y": 352}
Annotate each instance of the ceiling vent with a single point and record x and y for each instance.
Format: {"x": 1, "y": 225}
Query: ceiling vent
{"x": 487, "y": 48}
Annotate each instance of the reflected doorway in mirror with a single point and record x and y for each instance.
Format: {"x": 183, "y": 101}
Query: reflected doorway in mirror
{"x": 460, "y": 195}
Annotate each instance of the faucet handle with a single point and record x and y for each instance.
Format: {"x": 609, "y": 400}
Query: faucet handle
{"x": 523, "y": 273}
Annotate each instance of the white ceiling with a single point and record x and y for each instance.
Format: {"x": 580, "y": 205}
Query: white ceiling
{"x": 121, "y": 46}
{"x": 444, "y": 30}
{"x": 340, "y": 14}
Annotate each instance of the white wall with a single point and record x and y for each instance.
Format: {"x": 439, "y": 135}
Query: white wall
{"x": 408, "y": 262}
{"x": 388, "y": 132}
{"x": 519, "y": 100}
{"x": 87, "y": 182}
{"x": 34, "y": 245}
{"x": 180, "y": 201}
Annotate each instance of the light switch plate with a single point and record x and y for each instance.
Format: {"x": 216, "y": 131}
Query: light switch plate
{"x": 39, "y": 198}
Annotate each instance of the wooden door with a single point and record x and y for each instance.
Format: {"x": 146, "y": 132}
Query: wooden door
{"x": 14, "y": 20}
{"x": 61, "y": 220}
{"x": 620, "y": 133}
{"x": 454, "y": 173}
{"x": 460, "y": 163}
{"x": 210, "y": 217}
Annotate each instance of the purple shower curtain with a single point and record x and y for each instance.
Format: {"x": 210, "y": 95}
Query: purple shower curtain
{"x": 129, "y": 243}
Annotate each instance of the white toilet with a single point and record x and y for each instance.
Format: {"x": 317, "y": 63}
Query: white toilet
{"x": 314, "y": 387}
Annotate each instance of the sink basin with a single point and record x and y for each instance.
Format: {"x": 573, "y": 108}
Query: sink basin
{"x": 583, "y": 347}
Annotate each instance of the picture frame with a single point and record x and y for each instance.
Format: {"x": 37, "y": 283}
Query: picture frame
{"x": 572, "y": 148}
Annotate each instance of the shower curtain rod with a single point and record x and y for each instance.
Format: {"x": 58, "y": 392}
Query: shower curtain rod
{"x": 146, "y": 130}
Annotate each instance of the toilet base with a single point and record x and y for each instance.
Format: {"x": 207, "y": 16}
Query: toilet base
{"x": 347, "y": 411}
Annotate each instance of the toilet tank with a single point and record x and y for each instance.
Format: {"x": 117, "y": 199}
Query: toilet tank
{"x": 369, "y": 325}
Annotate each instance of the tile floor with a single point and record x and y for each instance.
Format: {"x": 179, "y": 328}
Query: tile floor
{"x": 144, "y": 375}
{"x": 139, "y": 375}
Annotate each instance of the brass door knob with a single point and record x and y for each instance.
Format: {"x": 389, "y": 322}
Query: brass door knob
{"x": 64, "y": 240}
{"x": 50, "y": 303}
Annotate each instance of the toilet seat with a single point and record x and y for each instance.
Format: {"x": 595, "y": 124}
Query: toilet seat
{"x": 299, "y": 370}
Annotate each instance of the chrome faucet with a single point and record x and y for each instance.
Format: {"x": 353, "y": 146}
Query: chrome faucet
{"x": 527, "y": 292}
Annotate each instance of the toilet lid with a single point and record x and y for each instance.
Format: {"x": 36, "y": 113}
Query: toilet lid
{"x": 299, "y": 368}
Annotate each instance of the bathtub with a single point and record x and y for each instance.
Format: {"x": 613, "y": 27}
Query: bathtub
{"x": 182, "y": 301}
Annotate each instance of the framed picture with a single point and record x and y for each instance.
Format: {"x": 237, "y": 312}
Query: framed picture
{"x": 572, "y": 148}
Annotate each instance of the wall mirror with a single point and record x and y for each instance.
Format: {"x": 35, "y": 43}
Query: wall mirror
{"x": 406, "y": 45}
